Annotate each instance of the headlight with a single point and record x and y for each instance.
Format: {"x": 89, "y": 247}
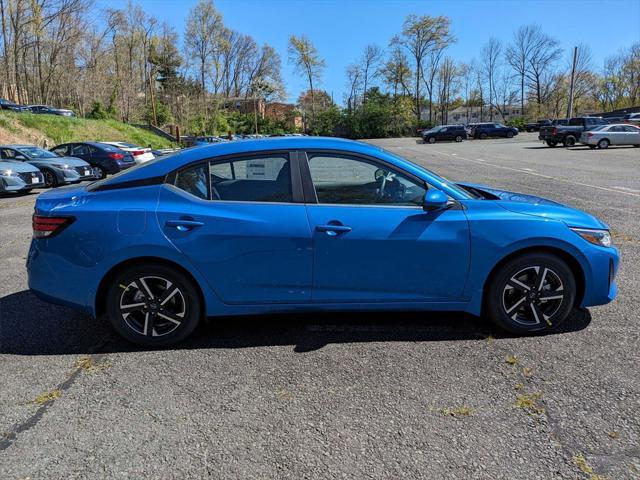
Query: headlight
{"x": 63, "y": 167}
{"x": 7, "y": 173}
{"x": 597, "y": 237}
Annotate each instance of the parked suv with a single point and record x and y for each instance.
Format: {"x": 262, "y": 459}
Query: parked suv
{"x": 632, "y": 118}
{"x": 445, "y": 132}
{"x": 486, "y": 130}
{"x": 103, "y": 158}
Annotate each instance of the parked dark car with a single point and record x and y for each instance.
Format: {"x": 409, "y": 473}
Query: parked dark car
{"x": 14, "y": 107}
{"x": 569, "y": 134}
{"x": 56, "y": 170}
{"x": 104, "y": 159}
{"x": 45, "y": 109}
{"x": 444, "y": 132}
{"x": 486, "y": 130}
{"x": 535, "y": 127}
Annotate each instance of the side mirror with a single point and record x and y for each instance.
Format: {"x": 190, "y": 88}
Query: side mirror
{"x": 20, "y": 157}
{"x": 434, "y": 200}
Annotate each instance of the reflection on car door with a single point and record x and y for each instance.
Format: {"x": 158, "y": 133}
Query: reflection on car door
{"x": 372, "y": 240}
{"x": 237, "y": 222}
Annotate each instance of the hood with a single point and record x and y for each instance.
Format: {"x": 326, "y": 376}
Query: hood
{"x": 72, "y": 161}
{"x": 536, "y": 206}
{"x": 18, "y": 166}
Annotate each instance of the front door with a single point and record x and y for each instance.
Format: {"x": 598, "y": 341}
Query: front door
{"x": 237, "y": 223}
{"x": 372, "y": 240}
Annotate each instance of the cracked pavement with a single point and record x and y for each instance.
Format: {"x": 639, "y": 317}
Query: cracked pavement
{"x": 409, "y": 395}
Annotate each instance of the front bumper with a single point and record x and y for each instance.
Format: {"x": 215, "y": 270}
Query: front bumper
{"x": 22, "y": 181}
{"x": 600, "y": 278}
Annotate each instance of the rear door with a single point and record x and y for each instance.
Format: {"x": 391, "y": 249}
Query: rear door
{"x": 242, "y": 222}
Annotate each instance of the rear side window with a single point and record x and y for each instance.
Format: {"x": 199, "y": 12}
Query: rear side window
{"x": 193, "y": 180}
{"x": 265, "y": 178}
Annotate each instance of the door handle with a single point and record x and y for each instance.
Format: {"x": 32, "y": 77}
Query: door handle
{"x": 333, "y": 230}
{"x": 183, "y": 225}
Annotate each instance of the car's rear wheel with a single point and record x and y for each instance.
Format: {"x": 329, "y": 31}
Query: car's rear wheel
{"x": 603, "y": 144}
{"x": 50, "y": 179}
{"x": 569, "y": 141}
{"x": 153, "y": 305}
{"x": 551, "y": 143}
{"x": 483, "y": 136}
{"x": 458, "y": 138}
{"x": 534, "y": 292}
{"x": 99, "y": 172}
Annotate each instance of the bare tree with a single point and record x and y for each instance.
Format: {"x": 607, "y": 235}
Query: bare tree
{"x": 490, "y": 59}
{"x": 354, "y": 82}
{"x": 519, "y": 53}
{"x": 396, "y": 72}
{"x": 420, "y": 36}
{"x": 306, "y": 60}
{"x": 545, "y": 52}
{"x": 371, "y": 59}
{"x": 202, "y": 34}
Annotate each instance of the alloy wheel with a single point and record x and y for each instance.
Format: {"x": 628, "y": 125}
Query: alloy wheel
{"x": 533, "y": 296}
{"x": 49, "y": 179}
{"x": 152, "y": 306}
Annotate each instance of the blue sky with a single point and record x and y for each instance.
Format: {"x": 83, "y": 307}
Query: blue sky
{"x": 341, "y": 29}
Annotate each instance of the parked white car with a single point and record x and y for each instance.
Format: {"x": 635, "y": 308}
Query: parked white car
{"x": 615, "y": 134}
{"x": 140, "y": 154}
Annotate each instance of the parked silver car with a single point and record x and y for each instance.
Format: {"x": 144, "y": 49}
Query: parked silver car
{"x": 56, "y": 170}
{"x": 19, "y": 177}
{"x": 616, "y": 134}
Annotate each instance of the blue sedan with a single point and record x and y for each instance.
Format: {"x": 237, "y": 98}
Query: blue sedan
{"x": 309, "y": 224}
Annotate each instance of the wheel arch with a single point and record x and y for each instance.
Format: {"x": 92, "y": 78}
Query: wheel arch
{"x": 571, "y": 261}
{"x": 101, "y": 292}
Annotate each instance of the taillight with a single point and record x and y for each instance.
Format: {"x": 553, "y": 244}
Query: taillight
{"x": 116, "y": 156}
{"x": 554, "y": 131}
{"x": 589, "y": 135}
{"x": 45, "y": 227}
{"x": 137, "y": 152}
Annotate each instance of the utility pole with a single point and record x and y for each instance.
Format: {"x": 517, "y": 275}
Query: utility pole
{"x": 573, "y": 75}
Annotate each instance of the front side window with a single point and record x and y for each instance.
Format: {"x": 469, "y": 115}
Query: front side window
{"x": 346, "y": 180}
{"x": 265, "y": 178}
{"x": 80, "y": 150}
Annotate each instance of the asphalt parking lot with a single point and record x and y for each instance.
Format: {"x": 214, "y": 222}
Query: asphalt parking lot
{"x": 342, "y": 395}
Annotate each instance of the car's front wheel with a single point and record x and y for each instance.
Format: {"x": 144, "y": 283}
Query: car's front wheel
{"x": 458, "y": 138}
{"x": 431, "y": 139}
{"x": 153, "y": 305}
{"x": 534, "y": 292}
{"x": 483, "y": 136}
{"x": 509, "y": 134}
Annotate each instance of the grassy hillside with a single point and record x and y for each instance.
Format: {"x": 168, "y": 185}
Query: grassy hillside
{"x": 34, "y": 129}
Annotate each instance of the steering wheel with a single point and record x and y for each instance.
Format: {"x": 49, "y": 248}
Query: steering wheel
{"x": 384, "y": 175}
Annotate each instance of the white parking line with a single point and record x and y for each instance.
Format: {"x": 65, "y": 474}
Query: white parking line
{"x": 626, "y": 189}
{"x": 621, "y": 190}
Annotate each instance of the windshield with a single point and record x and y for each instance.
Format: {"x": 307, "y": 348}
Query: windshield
{"x": 464, "y": 193}
{"x": 35, "y": 152}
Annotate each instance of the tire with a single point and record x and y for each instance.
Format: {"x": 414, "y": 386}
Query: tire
{"x": 483, "y": 136}
{"x": 509, "y": 134}
{"x": 152, "y": 321}
{"x": 99, "y": 172}
{"x": 458, "y": 138}
{"x": 513, "y": 294}
{"x": 603, "y": 144}
{"x": 551, "y": 143}
{"x": 637, "y": 146}
{"x": 569, "y": 141}
{"x": 50, "y": 178}
{"x": 431, "y": 140}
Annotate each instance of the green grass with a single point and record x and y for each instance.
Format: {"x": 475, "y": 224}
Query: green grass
{"x": 63, "y": 129}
